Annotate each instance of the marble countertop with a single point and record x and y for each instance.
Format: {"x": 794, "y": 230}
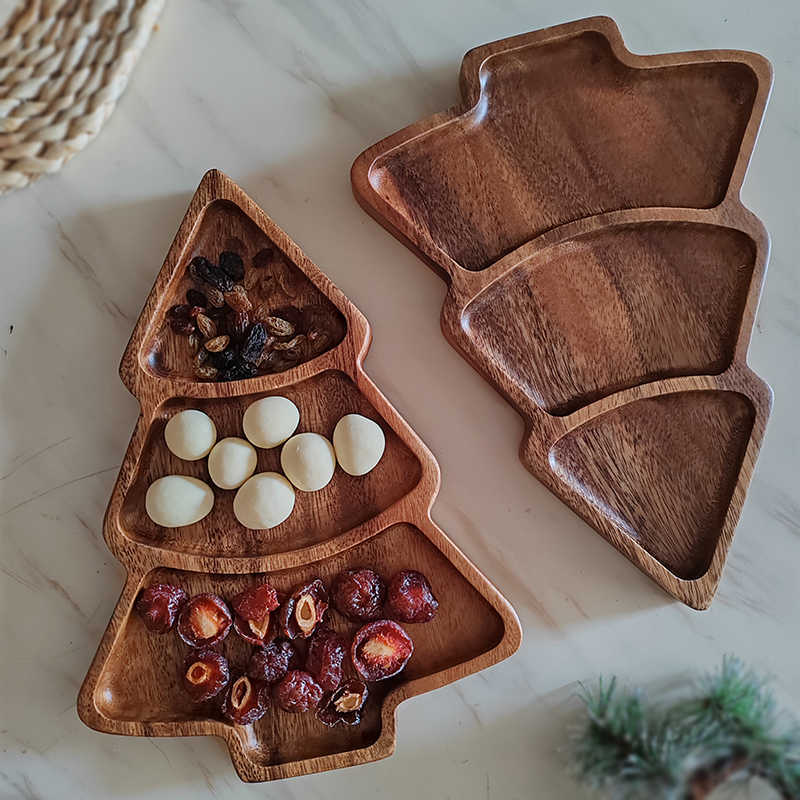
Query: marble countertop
{"x": 282, "y": 96}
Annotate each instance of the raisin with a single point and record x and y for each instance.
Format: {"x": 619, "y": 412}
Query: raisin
{"x": 246, "y": 701}
{"x": 238, "y": 323}
{"x": 359, "y": 594}
{"x": 215, "y": 298}
{"x": 196, "y": 298}
{"x": 291, "y": 314}
{"x": 410, "y": 597}
{"x": 380, "y": 650}
{"x": 217, "y": 344}
{"x": 272, "y": 662}
{"x": 206, "y": 326}
{"x": 263, "y": 258}
{"x": 278, "y": 326}
{"x": 237, "y": 299}
{"x": 224, "y": 359}
{"x": 298, "y": 692}
{"x": 158, "y": 606}
{"x": 204, "y": 620}
{"x": 344, "y": 705}
{"x": 232, "y": 264}
{"x": 326, "y": 652}
{"x": 304, "y": 610}
{"x": 237, "y": 371}
{"x": 205, "y": 674}
{"x": 179, "y": 312}
{"x": 202, "y": 269}
{"x": 253, "y": 608}
{"x": 206, "y": 372}
{"x": 182, "y": 326}
{"x": 254, "y": 344}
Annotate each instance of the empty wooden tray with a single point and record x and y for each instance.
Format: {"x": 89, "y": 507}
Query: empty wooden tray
{"x": 583, "y": 204}
{"x": 380, "y": 520}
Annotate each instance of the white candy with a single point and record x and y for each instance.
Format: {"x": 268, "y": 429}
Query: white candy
{"x": 359, "y": 443}
{"x": 177, "y": 500}
{"x": 190, "y": 434}
{"x": 264, "y": 501}
{"x": 270, "y": 421}
{"x": 231, "y": 462}
{"x": 308, "y": 460}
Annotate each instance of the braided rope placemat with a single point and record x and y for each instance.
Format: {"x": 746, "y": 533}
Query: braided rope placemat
{"x": 63, "y": 65}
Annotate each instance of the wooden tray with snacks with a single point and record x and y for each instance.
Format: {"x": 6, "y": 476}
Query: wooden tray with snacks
{"x": 582, "y": 203}
{"x": 290, "y": 613}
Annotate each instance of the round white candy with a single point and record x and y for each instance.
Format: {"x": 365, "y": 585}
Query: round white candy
{"x": 264, "y": 501}
{"x": 270, "y": 421}
{"x": 308, "y": 460}
{"x": 177, "y": 500}
{"x": 231, "y": 462}
{"x": 359, "y": 443}
{"x": 190, "y": 434}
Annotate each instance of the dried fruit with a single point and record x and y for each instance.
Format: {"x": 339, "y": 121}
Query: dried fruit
{"x": 205, "y": 674}
{"x": 304, "y": 610}
{"x": 253, "y": 607}
{"x": 246, "y": 701}
{"x": 200, "y": 358}
{"x": 298, "y": 692}
{"x": 195, "y": 298}
{"x": 254, "y": 344}
{"x": 206, "y": 326}
{"x": 206, "y": 372}
{"x": 217, "y": 344}
{"x": 291, "y": 314}
{"x": 263, "y": 258}
{"x": 237, "y": 299}
{"x": 272, "y": 662}
{"x": 201, "y": 269}
{"x": 326, "y": 652}
{"x": 204, "y": 620}
{"x": 278, "y": 326}
{"x": 237, "y": 371}
{"x": 343, "y": 705}
{"x": 359, "y": 594}
{"x": 158, "y": 606}
{"x": 194, "y": 342}
{"x": 195, "y": 310}
{"x": 238, "y": 323}
{"x": 294, "y": 343}
{"x": 223, "y": 359}
{"x": 182, "y": 326}
{"x": 410, "y": 597}
{"x": 380, "y": 650}
{"x": 216, "y": 299}
{"x": 179, "y": 312}
{"x": 232, "y": 264}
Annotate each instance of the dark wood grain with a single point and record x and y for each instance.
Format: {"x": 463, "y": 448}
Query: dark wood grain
{"x": 381, "y": 520}
{"x": 583, "y": 204}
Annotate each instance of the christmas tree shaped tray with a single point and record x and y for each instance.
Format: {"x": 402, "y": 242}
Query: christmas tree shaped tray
{"x": 381, "y": 520}
{"x": 582, "y": 203}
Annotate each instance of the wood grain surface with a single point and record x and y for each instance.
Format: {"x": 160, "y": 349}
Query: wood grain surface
{"x": 582, "y": 203}
{"x": 381, "y": 520}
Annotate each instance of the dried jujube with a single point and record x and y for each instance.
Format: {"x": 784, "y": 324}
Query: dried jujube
{"x": 253, "y": 610}
{"x": 359, "y": 594}
{"x": 204, "y": 620}
{"x": 380, "y": 650}
{"x": 158, "y": 606}
{"x": 304, "y": 610}
{"x": 298, "y": 692}
{"x": 325, "y": 657}
{"x": 271, "y": 663}
{"x": 205, "y": 674}
{"x": 410, "y": 597}
{"x": 246, "y": 701}
{"x": 344, "y": 705}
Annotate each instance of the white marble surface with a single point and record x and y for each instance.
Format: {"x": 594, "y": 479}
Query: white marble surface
{"x": 282, "y": 96}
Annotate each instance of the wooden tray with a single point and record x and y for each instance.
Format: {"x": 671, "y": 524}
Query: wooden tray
{"x": 382, "y": 519}
{"x": 583, "y": 204}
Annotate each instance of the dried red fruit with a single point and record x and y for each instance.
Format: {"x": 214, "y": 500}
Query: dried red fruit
{"x": 359, "y": 594}
{"x": 344, "y": 705}
{"x": 204, "y": 620}
{"x": 195, "y": 298}
{"x": 253, "y": 609}
{"x": 182, "y": 326}
{"x": 410, "y": 597}
{"x": 326, "y": 652}
{"x": 246, "y": 701}
{"x": 238, "y": 323}
{"x": 380, "y": 650}
{"x": 298, "y": 692}
{"x": 158, "y": 606}
{"x": 271, "y": 663}
{"x": 205, "y": 674}
{"x": 304, "y": 610}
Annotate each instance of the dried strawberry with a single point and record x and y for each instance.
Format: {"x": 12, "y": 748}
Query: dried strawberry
{"x": 410, "y": 597}
{"x": 304, "y": 610}
{"x": 380, "y": 650}
{"x": 205, "y": 674}
{"x": 344, "y": 705}
{"x": 298, "y": 692}
{"x": 253, "y": 609}
{"x": 359, "y": 594}
{"x": 271, "y": 663}
{"x": 246, "y": 701}
{"x": 326, "y": 652}
{"x": 158, "y": 606}
{"x": 204, "y": 620}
